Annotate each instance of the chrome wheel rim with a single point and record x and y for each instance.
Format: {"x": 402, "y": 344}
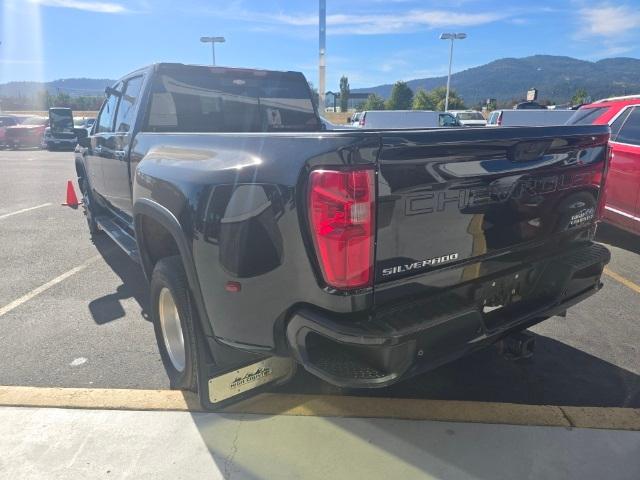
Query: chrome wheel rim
{"x": 171, "y": 329}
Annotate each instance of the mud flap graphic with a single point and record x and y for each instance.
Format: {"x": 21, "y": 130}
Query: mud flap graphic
{"x": 231, "y": 384}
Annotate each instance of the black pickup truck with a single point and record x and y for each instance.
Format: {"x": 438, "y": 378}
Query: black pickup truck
{"x": 364, "y": 256}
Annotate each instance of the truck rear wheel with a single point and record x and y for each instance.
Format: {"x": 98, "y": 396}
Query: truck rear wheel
{"x": 173, "y": 321}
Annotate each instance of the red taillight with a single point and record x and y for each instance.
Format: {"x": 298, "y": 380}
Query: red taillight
{"x": 341, "y": 217}
{"x": 499, "y": 121}
{"x": 362, "y": 120}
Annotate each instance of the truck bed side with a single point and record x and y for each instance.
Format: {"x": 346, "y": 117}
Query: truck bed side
{"x": 469, "y": 203}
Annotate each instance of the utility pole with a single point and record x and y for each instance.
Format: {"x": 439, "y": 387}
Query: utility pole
{"x": 322, "y": 12}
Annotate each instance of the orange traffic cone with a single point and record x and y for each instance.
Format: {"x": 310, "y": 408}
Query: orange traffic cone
{"x": 72, "y": 199}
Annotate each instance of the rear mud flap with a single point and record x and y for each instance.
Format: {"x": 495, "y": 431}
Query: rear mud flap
{"x": 245, "y": 376}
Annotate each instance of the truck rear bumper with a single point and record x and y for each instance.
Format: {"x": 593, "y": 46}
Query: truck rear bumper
{"x": 419, "y": 335}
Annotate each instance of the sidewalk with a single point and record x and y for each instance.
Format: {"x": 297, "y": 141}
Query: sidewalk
{"x": 58, "y": 443}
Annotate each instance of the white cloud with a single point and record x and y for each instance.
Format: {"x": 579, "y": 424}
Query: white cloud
{"x": 376, "y": 23}
{"x": 99, "y": 7}
{"x": 392, "y": 64}
{"x": 612, "y": 51}
{"x": 608, "y": 21}
{"x": 614, "y": 28}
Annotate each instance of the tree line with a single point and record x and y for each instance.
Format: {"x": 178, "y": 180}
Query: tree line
{"x": 43, "y": 100}
{"x": 403, "y": 98}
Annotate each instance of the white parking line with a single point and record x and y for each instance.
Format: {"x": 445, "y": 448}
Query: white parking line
{"x": 24, "y": 210}
{"x": 37, "y": 291}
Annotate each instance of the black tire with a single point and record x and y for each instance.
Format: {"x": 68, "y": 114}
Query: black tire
{"x": 169, "y": 274}
{"x": 89, "y": 207}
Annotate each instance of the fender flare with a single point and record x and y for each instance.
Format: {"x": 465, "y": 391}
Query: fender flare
{"x": 145, "y": 207}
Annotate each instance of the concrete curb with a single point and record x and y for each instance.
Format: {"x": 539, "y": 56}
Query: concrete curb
{"x": 331, "y": 406}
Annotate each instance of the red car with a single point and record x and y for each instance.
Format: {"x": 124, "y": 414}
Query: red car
{"x": 6, "y": 121}
{"x": 26, "y": 134}
{"x": 622, "y": 191}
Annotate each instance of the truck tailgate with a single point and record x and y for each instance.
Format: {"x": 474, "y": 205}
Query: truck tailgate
{"x": 454, "y": 204}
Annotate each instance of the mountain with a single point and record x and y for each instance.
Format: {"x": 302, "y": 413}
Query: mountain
{"x": 72, "y": 86}
{"x": 556, "y": 78}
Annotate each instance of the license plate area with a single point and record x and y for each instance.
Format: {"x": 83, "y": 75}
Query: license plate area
{"x": 500, "y": 299}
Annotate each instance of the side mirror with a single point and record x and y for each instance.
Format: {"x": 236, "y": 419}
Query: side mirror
{"x": 82, "y": 137}
{"x": 80, "y": 133}
{"x": 108, "y": 91}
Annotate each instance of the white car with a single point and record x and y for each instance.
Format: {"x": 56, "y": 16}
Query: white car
{"x": 83, "y": 122}
{"x": 354, "y": 121}
{"x": 406, "y": 119}
{"x": 469, "y": 118}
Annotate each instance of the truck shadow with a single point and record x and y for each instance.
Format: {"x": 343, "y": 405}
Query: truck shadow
{"x": 618, "y": 238}
{"x": 558, "y": 374}
{"x": 134, "y": 284}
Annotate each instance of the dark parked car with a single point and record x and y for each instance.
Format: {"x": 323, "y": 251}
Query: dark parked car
{"x": 61, "y": 131}
{"x": 366, "y": 257}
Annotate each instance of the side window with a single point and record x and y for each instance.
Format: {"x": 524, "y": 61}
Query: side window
{"x": 630, "y": 131}
{"x": 127, "y": 107}
{"x": 105, "y": 120}
{"x": 617, "y": 124}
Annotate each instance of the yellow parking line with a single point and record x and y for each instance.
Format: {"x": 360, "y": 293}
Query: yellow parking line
{"x": 625, "y": 281}
{"x": 330, "y": 406}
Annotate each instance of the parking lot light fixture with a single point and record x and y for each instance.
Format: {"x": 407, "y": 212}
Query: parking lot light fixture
{"x": 213, "y": 41}
{"x": 452, "y": 37}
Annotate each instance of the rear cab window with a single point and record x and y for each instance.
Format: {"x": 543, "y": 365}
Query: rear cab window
{"x": 204, "y": 99}
{"x": 469, "y": 116}
{"x": 586, "y": 116}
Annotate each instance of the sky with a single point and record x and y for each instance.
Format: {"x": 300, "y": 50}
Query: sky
{"x": 370, "y": 41}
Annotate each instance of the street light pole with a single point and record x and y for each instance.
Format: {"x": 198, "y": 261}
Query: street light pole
{"x": 213, "y": 41}
{"x": 322, "y": 37}
{"x": 452, "y": 37}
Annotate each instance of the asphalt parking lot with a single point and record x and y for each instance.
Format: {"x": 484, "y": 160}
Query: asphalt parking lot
{"x": 73, "y": 314}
